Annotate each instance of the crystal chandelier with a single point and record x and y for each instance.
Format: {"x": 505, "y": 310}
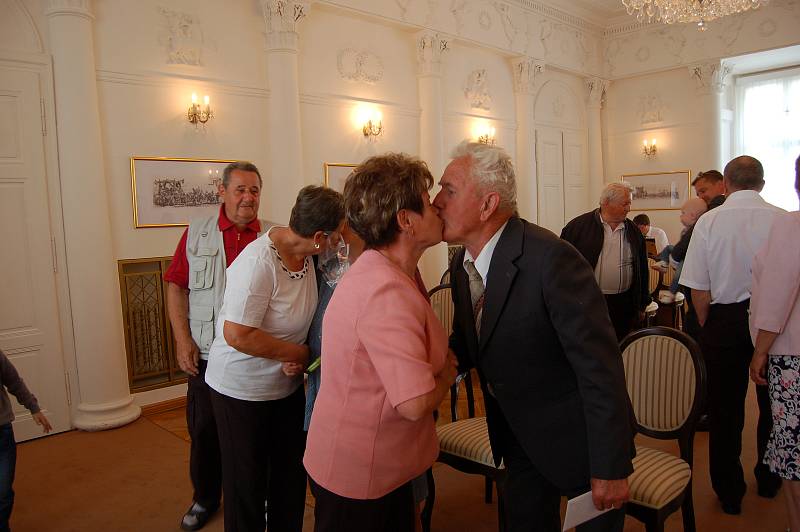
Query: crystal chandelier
{"x": 698, "y": 11}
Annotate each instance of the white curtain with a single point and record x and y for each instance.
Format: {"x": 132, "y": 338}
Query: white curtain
{"x": 768, "y": 128}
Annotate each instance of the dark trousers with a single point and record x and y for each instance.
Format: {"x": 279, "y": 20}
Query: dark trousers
{"x": 262, "y": 445}
{"x": 623, "y": 312}
{"x": 394, "y": 512}
{"x": 727, "y": 349}
{"x": 8, "y": 464}
{"x": 531, "y": 502}
{"x": 205, "y": 464}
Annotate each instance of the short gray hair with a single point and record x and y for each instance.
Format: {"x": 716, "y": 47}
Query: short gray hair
{"x": 245, "y": 166}
{"x": 615, "y": 192}
{"x": 492, "y": 169}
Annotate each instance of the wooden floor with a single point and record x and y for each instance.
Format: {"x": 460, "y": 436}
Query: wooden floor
{"x": 459, "y": 497}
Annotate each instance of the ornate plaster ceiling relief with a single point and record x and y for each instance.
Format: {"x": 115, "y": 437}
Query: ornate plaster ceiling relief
{"x": 672, "y": 39}
{"x": 643, "y": 54}
{"x": 359, "y": 65}
{"x": 457, "y": 8}
{"x": 513, "y": 26}
{"x": 485, "y": 20}
{"x": 181, "y": 36}
{"x": 767, "y": 28}
{"x": 476, "y": 90}
{"x": 650, "y": 109}
{"x": 731, "y": 31}
{"x": 403, "y": 5}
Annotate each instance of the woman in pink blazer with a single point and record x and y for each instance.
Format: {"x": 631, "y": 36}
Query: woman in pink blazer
{"x": 386, "y": 361}
{"x": 775, "y": 328}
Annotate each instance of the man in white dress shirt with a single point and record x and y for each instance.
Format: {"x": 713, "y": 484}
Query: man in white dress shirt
{"x": 642, "y": 221}
{"x": 718, "y": 270}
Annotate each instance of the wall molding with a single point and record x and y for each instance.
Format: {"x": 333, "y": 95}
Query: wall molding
{"x": 538, "y": 8}
{"x": 341, "y": 100}
{"x": 164, "y": 406}
{"x": 158, "y": 79}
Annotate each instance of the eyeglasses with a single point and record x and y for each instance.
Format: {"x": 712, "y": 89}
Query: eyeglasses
{"x": 333, "y": 237}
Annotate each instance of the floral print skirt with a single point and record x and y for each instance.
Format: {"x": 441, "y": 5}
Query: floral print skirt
{"x": 783, "y": 449}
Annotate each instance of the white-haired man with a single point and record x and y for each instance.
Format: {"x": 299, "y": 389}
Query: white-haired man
{"x": 615, "y": 248}
{"x": 553, "y": 383}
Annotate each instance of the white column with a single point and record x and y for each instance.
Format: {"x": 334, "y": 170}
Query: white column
{"x": 283, "y": 119}
{"x": 710, "y": 78}
{"x": 527, "y": 72}
{"x": 430, "y": 49}
{"x": 105, "y": 399}
{"x": 596, "y": 89}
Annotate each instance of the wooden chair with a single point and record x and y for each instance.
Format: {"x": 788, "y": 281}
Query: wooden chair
{"x": 666, "y": 380}
{"x": 463, "y": 443}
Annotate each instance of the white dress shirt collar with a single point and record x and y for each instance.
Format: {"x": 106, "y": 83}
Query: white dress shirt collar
{"x": 484, "y": 259}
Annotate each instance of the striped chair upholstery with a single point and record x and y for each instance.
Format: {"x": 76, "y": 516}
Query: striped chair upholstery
{"x": 657, "y": 478}
{"x": 660, "y": 377}
{"x": 655, "y": 277}
{"x": 468, "y": 439}
{"x": 665, "y": 378}
{"x": 442, "y": 303}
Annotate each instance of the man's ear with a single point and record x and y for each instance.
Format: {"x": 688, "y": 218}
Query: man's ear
{"x": 489, "y": 205}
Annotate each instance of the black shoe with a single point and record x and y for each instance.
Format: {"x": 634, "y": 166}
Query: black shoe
{"x": 732, "y": 508}
{"x": 768, "y": 491}
{"x": 196, "y": 517}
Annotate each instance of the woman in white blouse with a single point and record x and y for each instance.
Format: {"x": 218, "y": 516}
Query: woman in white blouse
{"x": 270, "y": 298}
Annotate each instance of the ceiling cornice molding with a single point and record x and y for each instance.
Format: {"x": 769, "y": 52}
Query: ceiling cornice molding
{"x": 540, "y": 8}
{"x": 621, "y": 28}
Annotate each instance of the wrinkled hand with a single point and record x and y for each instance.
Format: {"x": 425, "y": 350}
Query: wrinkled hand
{"x": 292, "y": 369}
{"x": 42, "y": 421}
{"x": 188, "y": 355}
{"x": 758, "y": 368}
{"x": 609, "y": 493}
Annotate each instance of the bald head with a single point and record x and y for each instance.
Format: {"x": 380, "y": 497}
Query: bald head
{"x": 744, "y": 173}
{"x": 692, "y": 210}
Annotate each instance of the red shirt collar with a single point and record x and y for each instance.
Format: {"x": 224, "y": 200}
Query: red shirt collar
{"x": 225, "y": 223}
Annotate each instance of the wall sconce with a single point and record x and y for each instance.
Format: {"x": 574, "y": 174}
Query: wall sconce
{"x": 372, "y": 125}
{"x": 649, "y": 150}
{"x": 485, "y": 134}
{"x": 199, "y": 114}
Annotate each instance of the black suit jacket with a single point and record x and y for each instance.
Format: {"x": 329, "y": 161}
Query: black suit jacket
{"x": 550, "y": 355}
{"x": 586, "y": 233}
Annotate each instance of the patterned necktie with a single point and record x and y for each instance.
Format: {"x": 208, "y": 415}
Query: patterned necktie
{"x": 476, "y": 290}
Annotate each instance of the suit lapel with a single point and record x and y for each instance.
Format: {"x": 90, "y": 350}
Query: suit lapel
{"x": 502, "y": 272}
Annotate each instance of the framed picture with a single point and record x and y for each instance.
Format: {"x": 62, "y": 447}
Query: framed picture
{"x": 659, "y": 191}
{"x": 336, "y": 174}
{"x": 169, "y": 191}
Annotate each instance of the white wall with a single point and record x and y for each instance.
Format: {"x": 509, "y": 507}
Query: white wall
{"x": 682, "y": 135}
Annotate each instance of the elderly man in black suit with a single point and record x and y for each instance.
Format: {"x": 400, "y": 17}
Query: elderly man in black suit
{"x": 615, "y": 249}
{"x": 530, "y": 317}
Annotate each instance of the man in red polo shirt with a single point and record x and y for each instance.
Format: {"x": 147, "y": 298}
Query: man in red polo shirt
{"x": 196, "y": 284}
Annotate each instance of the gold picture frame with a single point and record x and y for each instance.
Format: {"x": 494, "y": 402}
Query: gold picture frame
{"x": 170, "y": 191}
{"x": 659, "y": 191}
{"x": 336, "y": 174}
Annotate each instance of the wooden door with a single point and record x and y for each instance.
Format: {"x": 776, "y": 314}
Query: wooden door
{"x": 29, "y": 318}
{"x": 550, "y": 178}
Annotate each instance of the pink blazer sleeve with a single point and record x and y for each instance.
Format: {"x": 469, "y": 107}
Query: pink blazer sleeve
{"x": 776, "y": 275}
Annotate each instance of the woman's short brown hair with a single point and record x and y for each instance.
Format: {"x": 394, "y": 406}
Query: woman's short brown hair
{"x": 378, "y": 189}
{"x": 316, "y": 209}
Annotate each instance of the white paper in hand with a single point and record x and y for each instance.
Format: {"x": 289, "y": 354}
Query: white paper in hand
{"x": 579, "y": 510}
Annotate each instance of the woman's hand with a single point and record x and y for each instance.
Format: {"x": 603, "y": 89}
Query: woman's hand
{"x": 292, "y": 369}
{"x": 42, "y": 420}
{"x": 758, "y": 368}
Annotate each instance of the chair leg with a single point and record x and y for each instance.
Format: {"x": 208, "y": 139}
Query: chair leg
{"x": 487, "y": 496}
{"x": 427, "y": 512}
{"x": 687, "y": 510}
{"x": 657, "y": 525}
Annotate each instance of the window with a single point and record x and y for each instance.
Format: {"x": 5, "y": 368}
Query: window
{"x": 768, "y": 114}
